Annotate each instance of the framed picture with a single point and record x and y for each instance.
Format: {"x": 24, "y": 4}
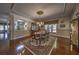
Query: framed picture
{"x": 62, "y": 25}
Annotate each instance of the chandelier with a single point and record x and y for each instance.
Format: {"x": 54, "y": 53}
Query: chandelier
{"x": 40, "y": 12}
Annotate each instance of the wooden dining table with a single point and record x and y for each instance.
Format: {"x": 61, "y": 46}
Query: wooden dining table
{"x": 39, "y": 37}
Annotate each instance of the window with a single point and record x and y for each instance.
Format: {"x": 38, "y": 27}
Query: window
{"x": 4, "y": 31}
{"x": 47, "y": 28}
{"x": 6, "y": 27}
{"x": 54, "y": 27}
{"x": 51, "y": 27}
{"x": 1, "y": 27}
{"x": 20, "y": 25}
{"x": 6, "y": 35}
{"x": 16, "y": 24}
{"x": 1, "y": 36}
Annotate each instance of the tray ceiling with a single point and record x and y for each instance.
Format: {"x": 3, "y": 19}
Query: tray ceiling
{"x": 50, "y": 10}
{"x": 29, "y": 10}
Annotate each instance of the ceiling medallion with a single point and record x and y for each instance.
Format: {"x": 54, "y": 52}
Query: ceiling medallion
{"x": 40, "y": 12}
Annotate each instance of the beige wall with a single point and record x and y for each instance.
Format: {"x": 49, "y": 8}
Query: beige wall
{"x": 21, "y": 33}
{"x": 63, "y": 31}
{"x": 51, "y": 22}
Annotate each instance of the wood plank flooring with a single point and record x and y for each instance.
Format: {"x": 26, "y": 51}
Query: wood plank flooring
{"x": 63, "y": 48}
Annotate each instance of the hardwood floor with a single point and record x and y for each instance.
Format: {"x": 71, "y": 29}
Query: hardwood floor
{"x": 63, "y": 48}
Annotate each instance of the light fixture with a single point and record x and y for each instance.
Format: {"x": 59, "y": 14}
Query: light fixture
{"x": 40, "y": 12}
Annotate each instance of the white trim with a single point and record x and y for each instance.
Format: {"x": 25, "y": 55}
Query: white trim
{"x": 60, "y": 36}
{"x": 19, "y": 37}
